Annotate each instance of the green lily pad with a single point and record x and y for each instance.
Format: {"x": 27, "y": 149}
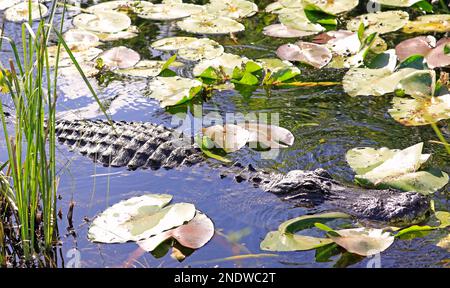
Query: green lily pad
{"x": 209, "y": 24}
{"x": 375, "y": 82}
{"x": 103, "y": 22}
{"x": 285, "y": 238}
{"x": 438, "y": 23}
{"x": 234, "y": 9}
{"x": 419, "y": 84}
{"x": 418, "y": 112}
{"x": 296, "y": 19}
{"x": 20, "y": 12}
{"x": 380, "y": 22}
{"x": 139, "y": 218}
{"x": 396, "y": 169}
{"x": 175, "y": 90}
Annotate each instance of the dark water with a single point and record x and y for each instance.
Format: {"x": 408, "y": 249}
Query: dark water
{"x": 325, "y": 121}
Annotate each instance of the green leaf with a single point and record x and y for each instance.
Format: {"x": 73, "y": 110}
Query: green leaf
{"x": 447, "y": 49}
{"x": 424, "y": 6}
{"x": 414, "y": 62}
{"x": 205, "y": 143}
{"x": 414, "y": 232}
{"x": 167, "y": 65}
{"x": 361, "y": 31}
{"x": 247, "y": 79}
{"x": 210, "y": 73}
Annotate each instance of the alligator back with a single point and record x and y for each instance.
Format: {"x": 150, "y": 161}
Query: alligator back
{"x": 128, "y": 144}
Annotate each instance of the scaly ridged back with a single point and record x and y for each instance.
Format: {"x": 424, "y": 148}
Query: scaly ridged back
{"x": 131, "y": 144}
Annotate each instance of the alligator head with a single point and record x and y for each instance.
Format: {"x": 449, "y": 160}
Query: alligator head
{"x": 308, "y": 188}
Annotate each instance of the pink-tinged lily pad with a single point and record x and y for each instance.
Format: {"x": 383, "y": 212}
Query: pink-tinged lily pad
{"x": 421, "y": 45}
{"x": 120, "y": 58}
{"x": 437, "y": 57}
{"x": 283, "y": 31}
{"x": 312, "y": 54}
{"x": 426, "y": 46}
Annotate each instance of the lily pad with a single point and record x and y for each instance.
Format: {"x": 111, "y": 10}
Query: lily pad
{"x": 418, "y": 84}
{"x": 194, "y": 234}
{"x": 312, "y": 54}
{"x": 341, "y": 42}
{"x": 375, "y": 82}
{"x": 20, "y": 12}
{"x": 226, "y": 62}
{"x": 201, "y": 49}
{"x": 421, "y": 45}
{"x": 173, "y": 43}
{"x": 380, "y": 22}
{"x": 80, "y": 39}
{"x": 438, "y": 57}
{"x": 168, "y": 12}
{"x": 418, "y": 112}
{"x": 103, "y": 22}
{"x": 363, "y": 241}
{"x": 399, "y": 169}
{"x": 82, "y": 56}
{"x": 296, "y": 19}
{"x": 146, "y": 68}
{"x": 332, "y": 7}
{"x": 129, "y": 33}
{"x": 283, "y": 31}
{"x": 438, "y": 23}
{"x": 397, "y": 3}
{"x": 119, "y": 6}
{"x": 175, "y": 90}
{"x": 139, "y": 218}
{"x": 208, "y": 24}
{"x": 285, "y": 239}
{"x": 278, "y": 69}
{"x": 444, "y": 243}
{"x": 270, "y": 136}
{"x": 234, "y": 9}
{"x": 120, "y": 58}
{"x": 4, "y": 4}
{"x": 229, "y": 137}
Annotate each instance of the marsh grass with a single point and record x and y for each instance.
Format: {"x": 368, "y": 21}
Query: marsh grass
{"x": 31, "y": 84}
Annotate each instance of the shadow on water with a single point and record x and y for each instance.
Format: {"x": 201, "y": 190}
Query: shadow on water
{"x": 325, "y": 121}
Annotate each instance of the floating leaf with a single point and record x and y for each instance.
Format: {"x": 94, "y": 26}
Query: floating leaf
{"x": 421, "y": 45}
{"x": 414, "y": 232}
{"x": 332, "y": 7}
{"x": 234, "y": 9}
{"x": 120, "y": 58}
{"x": 173, "y": 43}
{"x": 175, "y": 90}
{"x": 429, "y": 24}
{"x": 78, "y": 39}
{"x": 419, "y": 84}
{"x": 363, "y": 241}
{"x": 139, "y": 218}
{"x": 270, "y": 136}
{"x": 129, "y": 33}
{"x": 398, "y": 169}
{"x": 119, "y": 6}
{"x": 226, "y": 62}
{"x": 385, "y": 60}
{"x": 363, "y": 160}
{"x": 379, "y": 22}
{"x": 444, "y": 219}
{"x": 375, "y": 82}
{"x": 201, "y": 49}
{"x": 438, "y": 56}
{"x": 341, "y": 42}
{"x": 194, "y": 234}
{"x": 20, "y": 12}
{"x": 82, "y": 56}
{"x": 297, "y": 19}
{"x": 312, "y": 54}
{"x": 229, "y": 137}
{"x": 103, "y": 22}
{"x": 208, "y": 24}
{"x": 283, "y": 31}
{"x": 4, "y": 4}
{"x": 168, "y": 12}
{"x": 285, "y": 238}
{"x": 397, "y": 3}
{"x": 444, "y": 243}
{"x": 146, "y": 68}
{"x": 417, "y": 112}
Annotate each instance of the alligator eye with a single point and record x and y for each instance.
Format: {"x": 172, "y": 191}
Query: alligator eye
{"x": 309, "y": 185}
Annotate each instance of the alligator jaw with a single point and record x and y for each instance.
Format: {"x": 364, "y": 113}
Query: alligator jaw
{"x": 310, "y": 188}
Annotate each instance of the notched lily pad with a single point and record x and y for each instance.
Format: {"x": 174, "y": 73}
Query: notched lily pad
{"x": 312, "y": 54}
{"x": 168, "y": 12}
{"x": 120, "y": 58}
{"x": 146, "y": 68}
{"x": 209, "y": 24}
{"x": 379, "y": 22}
{"x": 103, "y": 22}
{"x": 175, "y": 90}
{"x": 234, "y": 9}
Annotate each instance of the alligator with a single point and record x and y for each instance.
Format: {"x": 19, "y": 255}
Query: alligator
{"x": 138, "y": 145}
